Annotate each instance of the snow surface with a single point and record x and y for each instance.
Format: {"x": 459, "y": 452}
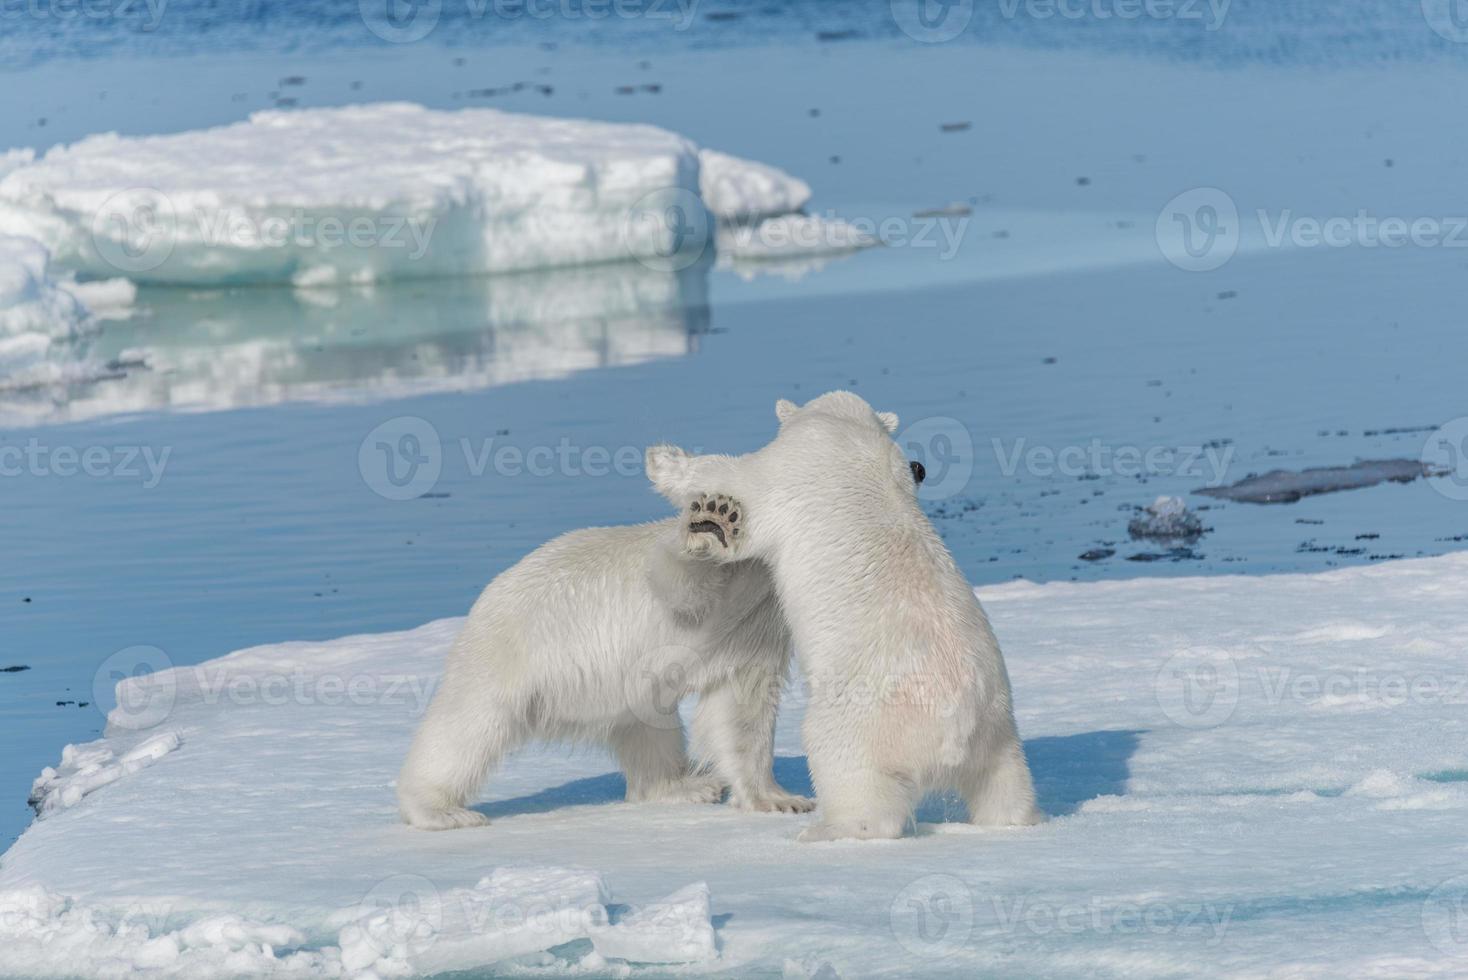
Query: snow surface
{"x": 393, "y": 190}
{"x": 1247, "y": 776}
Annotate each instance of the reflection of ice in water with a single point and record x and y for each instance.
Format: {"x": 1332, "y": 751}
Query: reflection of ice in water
{"x": 190, "y": 350}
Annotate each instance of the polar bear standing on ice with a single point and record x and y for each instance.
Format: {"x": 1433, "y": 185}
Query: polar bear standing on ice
{"x": 596, "y": 636}
{"x": 908, "y": 687}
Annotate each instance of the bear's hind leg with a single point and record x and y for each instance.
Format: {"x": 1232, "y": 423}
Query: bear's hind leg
{"x": 448, "y": 761}
{"x": 999, "y": 790}
{"x": 656, "y": 766}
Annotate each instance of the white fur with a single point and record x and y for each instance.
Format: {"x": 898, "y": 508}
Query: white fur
{"x": 594, "y": 637}
{"x": 908, "y": 687}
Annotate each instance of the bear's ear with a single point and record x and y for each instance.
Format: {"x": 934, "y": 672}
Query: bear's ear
{"x": 889, "y": 420}
{"x": 784, "y": 408}
{"x": 668, "y": 469}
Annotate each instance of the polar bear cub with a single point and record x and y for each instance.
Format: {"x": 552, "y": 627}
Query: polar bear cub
{"x": 908, "y": 690}
{"x": 596, "y": 636}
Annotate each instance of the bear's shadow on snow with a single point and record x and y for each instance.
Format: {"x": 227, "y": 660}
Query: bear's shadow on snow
{"x": 1068, "y": 771}
{"x": 1072, "y": 769}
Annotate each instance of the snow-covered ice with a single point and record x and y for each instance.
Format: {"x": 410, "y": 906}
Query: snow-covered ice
{"x": 362, "y": 193}
{"x": 1247, "y": 776}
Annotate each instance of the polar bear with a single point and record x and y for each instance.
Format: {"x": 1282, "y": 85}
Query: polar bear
{"x": 907, "y": 685}
{"x": 596, "y": 636}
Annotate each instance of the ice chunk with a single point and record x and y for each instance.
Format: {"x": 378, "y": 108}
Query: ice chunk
{"x": 368, "y": 192}
{"x": 742, "y": 190}
{"x": 43, "y": 934}
{"x": 1288, "y": 486}
{"x": 1165, "y": 517}
{"x": 677, "y": 929}
{"x": 87, "y": 768}
{"x": 509, "y": 914}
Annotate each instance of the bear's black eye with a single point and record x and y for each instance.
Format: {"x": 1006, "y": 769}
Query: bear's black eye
{"x": 918, "y": 473}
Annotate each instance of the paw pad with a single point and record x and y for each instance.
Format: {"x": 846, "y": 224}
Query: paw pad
{"x": 715, "y": 516}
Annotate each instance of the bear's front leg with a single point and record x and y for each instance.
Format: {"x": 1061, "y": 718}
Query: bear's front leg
{"x": 712, "y": 527}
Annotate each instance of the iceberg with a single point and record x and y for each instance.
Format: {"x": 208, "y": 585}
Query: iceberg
{"x": 384, "y": 191}
{"x": 1175, "y": 727}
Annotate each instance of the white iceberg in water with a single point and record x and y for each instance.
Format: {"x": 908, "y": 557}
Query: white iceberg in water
{"x": 370, "y": 192}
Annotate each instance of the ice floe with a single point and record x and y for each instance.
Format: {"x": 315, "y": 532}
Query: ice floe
{"x": 1288, "y": 486}
{"x": 369, "y": 192}
{"x": 1247, "y": 776}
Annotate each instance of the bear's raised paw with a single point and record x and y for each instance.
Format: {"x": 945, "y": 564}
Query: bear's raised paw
{"x": 714, "y": 525}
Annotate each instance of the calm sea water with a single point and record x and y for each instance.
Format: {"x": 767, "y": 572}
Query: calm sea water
{"x": 1035, "y": 348}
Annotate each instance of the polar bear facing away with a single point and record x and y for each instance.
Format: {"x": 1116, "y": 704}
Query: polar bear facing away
{"x": 908, "y": 690}
{"x": 595, "y": 637}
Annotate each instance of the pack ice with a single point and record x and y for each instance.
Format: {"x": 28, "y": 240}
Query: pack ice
{"x": 1247, "y": 777}
{"x": 395, "y": 190}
